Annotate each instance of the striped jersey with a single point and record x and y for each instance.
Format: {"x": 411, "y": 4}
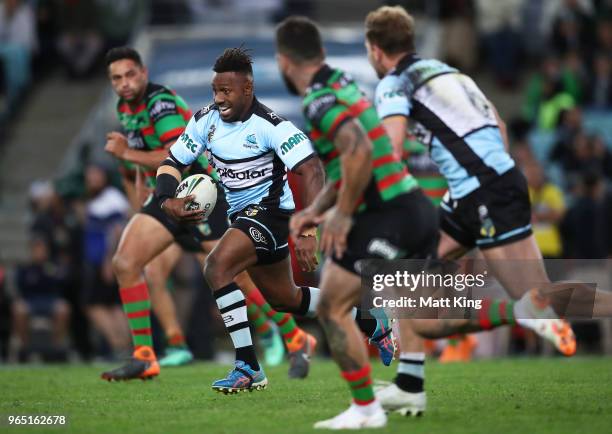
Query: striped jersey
{"x": 449, "y": 114}
{"x": 251, "y": 155}
{"x": 332, "y": 99}
{"x": 158, "y": 120}
{"x": 425, "y": 171}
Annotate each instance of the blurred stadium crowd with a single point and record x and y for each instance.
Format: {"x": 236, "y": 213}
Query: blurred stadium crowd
{"x": 556, "y": 53}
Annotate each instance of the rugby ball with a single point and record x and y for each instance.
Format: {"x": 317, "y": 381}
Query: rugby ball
{"x": 203, "y": 188}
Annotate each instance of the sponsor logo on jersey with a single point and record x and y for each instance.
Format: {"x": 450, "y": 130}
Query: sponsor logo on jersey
{"x": 257, "y": 236}
{"x": 487, "y": 228}
{"x": 292, "y": 141}
{"x": 211, "y": 133}
{"x": 162, "y": 108}
{"x": 319, "y": 106}
{"x": 245, "y": 174}
{"x": 251, "y": 142}
{"x": 135, "y": 140}
{"x": 383, "y": 248}
{"x": 228, "y": 319}
{"x": 252, "y": 212}
{"x": 274, "y": 116}
{"x": 189, "y": 144}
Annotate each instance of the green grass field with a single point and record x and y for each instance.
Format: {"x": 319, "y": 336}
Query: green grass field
{"x": 507, "y": 396}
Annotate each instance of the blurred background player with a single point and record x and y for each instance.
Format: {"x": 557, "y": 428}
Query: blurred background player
{"x": 154, "y": 117}
{"x": 106, "y": 211}
{"x": 369, "y": 200}
{"x": 39, "y": 294}
{"x": 488, "y": 203}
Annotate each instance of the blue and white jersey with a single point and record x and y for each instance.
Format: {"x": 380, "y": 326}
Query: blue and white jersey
{"x": 449, "y": 113}
{"x": 251, "y": 156}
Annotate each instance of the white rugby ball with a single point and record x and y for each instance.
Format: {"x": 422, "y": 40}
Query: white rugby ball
{"x": 203, "y": 188}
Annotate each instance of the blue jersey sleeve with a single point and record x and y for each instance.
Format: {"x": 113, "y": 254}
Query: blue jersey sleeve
{"x": 392, "y": 98}
{"x": 191, "y": 144}
{"x": 290, "y": 144}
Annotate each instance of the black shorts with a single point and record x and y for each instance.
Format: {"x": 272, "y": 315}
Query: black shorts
{"x": 190, "y": 237}
{"x": 96, "y": 291}
{"x": 406, "y": 228}
{"x": 493, "y": 215}
{"x": 268, "y": 229}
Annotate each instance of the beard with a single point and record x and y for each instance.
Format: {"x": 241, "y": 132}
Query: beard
{"x": 289, "y": 85}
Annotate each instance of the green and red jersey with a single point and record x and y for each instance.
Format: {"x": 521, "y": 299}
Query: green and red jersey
{"x": 158, "y": 120}
{"x": 334, "y": 98}
{"x": 424, "y": 170}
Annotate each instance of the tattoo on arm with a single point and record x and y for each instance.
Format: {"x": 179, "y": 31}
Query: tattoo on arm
{"x": 349, "y": 138}
{"x": 356, "y": 164}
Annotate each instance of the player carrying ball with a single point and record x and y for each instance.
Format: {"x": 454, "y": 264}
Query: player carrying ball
{"x": 153, "y": 117}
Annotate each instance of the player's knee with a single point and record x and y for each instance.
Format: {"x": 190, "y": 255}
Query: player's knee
{"x": 124, "y": 265}
{"x": 216, "y": 271}
{"x": 325, "y": 309}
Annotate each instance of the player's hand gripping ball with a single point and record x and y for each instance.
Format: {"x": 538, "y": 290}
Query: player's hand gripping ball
{"x": 205, "y": 191}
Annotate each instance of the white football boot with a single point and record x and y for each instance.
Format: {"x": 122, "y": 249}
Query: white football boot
{"x": 373, "y": 416}
{"x": 531, "y": 313}
{"x": 392, "y": 398}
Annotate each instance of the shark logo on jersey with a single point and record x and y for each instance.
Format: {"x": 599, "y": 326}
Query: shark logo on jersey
{"x": 251, "y": 142}
{"x": 211, "y": 133}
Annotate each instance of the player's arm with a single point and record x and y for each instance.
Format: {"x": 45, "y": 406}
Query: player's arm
{"x": 184, "y": 152}
{"x": 356, "y": 164}
{"x": 396, "y": 127}
{"x": 168, "y": 179}
{"x": 295, "y": 150}
{"x": 117, "y": 145}
{"x": 393, "y": 107}
{"x": 313, "y": 179}
{"x": 355, "y": 150}
{"x": 305, "y": 239}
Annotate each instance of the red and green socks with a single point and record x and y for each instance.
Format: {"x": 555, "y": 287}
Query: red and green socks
{"x": 360, "y": 383}
{"x": 259, "y": 319}
{"x": 495, "y": 313}
{"x": 285, "y": 321}
{"x": 137, "y": 306}
{"x": 177, "y": 341}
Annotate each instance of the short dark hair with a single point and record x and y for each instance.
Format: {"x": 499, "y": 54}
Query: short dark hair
{"x": 120, "y": 53}
{"x": 235, "y": 60}
{"x": 391, "y": 28}
{"x": 299, "y": 38}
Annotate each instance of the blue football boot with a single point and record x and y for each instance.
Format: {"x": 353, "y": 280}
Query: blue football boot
{"x": 241, "y": 379}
